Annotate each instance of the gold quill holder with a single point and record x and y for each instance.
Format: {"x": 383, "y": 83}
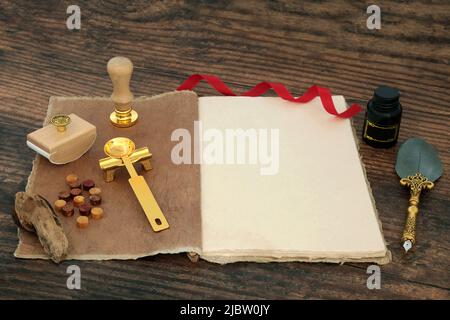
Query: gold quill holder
{"x": 123, "y": 149}
{"x": 416, "y": 184}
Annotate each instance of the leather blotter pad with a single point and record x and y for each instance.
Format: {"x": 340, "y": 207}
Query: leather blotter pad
{"x": 124, "y": 232}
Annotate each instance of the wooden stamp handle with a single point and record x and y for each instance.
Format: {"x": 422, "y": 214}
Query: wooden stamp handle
{"x": 120, "y": 70}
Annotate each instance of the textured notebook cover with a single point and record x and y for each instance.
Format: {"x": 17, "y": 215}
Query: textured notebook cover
{"x": 124, "y": 232}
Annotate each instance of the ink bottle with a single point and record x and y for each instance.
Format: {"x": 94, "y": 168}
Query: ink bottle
{"x": 382, "y": 120}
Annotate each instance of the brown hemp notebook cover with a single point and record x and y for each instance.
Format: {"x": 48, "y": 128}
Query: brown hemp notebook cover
{"x": 311, "y": 210}
{"x": 124, "y": 232}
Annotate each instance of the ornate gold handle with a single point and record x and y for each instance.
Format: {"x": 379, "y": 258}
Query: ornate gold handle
{"x": 409, "y": 232}
{"x": 415, "y": 183}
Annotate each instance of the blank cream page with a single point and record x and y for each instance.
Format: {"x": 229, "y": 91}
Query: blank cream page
{"x": 316, "y": 205}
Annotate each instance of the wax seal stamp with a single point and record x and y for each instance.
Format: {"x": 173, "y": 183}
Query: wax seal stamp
{"x": 120, "y": 70}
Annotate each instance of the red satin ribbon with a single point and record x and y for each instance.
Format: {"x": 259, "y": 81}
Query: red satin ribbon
{"x": 280, "y": 90}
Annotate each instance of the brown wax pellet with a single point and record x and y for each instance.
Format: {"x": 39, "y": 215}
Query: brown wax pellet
{"x": 64, "y": 195}
{"x": 82, "y": 222}
{"x": 71, "y": 178}
{"x": 96, "y": 213}
{"x": 78, "y": 201}
{"x": 88, "y": 184}
{"x": 75, "y": 192}
{"x": 59, "y": 204}
{"x": 67, "y": 210}
{"x": 75, "y": 185}
{"x": 95, "y": 191}
{"x": 95, "y": 200}
{"x": 84, "y": 209}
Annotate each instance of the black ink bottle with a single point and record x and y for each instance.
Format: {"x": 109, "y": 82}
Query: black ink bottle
{"x": 383, "y": 115}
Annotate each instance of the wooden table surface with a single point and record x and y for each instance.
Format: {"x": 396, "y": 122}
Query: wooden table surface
{"x": 298, "y": 43}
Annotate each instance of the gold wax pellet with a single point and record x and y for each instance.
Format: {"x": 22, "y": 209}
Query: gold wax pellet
{"x": 96, "y": 213}
{"x": 71, "y": 178}
{"x": 95, "y": 191}
{"x": 82, "y": 222}
{"x": 59, "y": 204}
{"x": 78, "y": 201}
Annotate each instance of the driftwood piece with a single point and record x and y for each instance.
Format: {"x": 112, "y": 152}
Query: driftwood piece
{"x": 35, "y": 214}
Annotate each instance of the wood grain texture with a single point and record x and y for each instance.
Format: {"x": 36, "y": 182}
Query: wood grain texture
{"x": 298, "y": 43}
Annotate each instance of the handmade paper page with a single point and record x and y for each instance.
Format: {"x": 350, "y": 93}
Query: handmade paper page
{"x": 305, "y": 198}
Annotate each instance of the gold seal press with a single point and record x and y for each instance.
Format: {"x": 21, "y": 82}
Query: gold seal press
{"x": 124, "y": 150}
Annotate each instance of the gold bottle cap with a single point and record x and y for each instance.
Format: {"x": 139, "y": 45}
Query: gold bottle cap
{"x": 60, "y": 121}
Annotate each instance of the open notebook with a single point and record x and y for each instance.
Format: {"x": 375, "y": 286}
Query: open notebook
{"x": 297, "y": 193}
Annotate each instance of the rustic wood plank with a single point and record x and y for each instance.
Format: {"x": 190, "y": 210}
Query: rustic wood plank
{"x": 296, "y": 43}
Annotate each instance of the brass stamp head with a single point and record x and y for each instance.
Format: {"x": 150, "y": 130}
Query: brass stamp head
{"x": 60, "y": 121}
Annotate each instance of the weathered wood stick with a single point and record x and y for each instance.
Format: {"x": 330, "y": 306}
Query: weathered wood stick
{"x": 35, "y": 214}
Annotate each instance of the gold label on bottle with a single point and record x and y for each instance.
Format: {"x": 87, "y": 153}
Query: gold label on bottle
{"x": 379, "y": 133}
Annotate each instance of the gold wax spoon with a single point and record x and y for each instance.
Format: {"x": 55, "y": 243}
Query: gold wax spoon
{"x": 121, "y": 148}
